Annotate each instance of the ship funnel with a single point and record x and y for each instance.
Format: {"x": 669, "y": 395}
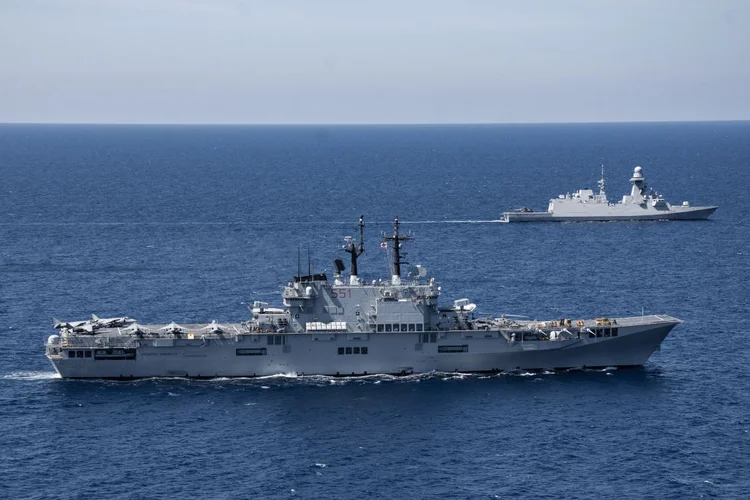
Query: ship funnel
{"x": 338, "y": 264}
{"x": 354, "y": 249}
{"x": 397, "y": 260}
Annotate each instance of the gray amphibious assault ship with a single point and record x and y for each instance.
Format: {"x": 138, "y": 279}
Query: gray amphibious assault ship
{"x": 584, "y": 205}
{"x": 345, "y": 326}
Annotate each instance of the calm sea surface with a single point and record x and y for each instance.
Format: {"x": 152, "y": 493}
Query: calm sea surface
{"x": 192, "y": 223}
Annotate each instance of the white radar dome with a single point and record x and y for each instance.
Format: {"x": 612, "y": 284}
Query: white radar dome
{"x": 53, "y": 339}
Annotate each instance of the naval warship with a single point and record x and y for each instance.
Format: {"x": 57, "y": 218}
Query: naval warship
{"x": 585, "y": 205}
{"x": 347, "y": 326}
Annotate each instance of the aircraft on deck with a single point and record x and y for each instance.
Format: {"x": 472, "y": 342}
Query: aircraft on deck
{"x": 173, "y": 328}
{"x": 213, "y": 327}
{"x": 110, "y": 322}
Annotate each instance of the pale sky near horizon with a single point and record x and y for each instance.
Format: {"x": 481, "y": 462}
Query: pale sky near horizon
{"x": 337, "y": 61}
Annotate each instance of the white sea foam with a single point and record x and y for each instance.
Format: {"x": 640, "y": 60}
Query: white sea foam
{"x": 457, "y": 221}
{"x": 27, "y": 375}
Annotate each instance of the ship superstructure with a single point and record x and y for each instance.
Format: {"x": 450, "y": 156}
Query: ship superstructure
{"x": 585, "y": 205}
{"x": 350, "y": 327}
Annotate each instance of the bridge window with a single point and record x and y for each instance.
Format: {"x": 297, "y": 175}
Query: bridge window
{"x": 412, "y": 327}
{"x": 356, "y": 350}
{"x": 348, "y": 350}
{"x": 403, "y": 327}
{"x": 341, "y": 350}
{"x": 71, "y": 354}
{"x": 614, "y": 332}
{"x": 388, "y": 328}
{"x": 419, "y": 327}
{"x": 87, "y": 354}
{"x": 364, "y": 350}
{"x": 380, "y": 328}
{"x": 433, "y": 337}
{"x": 79, "y": 354}
{"x": 395, "y": 327}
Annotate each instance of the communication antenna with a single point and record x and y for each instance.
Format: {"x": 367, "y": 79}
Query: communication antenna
{"x": 299, "y": 263}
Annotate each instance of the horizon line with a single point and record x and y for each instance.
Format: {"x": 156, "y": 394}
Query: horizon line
{"x": 366, "y": 124}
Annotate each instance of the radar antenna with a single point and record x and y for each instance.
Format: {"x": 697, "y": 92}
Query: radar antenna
{"x": 396, "y": 239}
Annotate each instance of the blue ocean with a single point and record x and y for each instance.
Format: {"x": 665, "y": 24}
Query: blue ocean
{"x": 193, "y": 223}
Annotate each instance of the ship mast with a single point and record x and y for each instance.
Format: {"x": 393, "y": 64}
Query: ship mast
{"x": 602, "y": 191}
{"x": 638, "y": 191}
{"x": 396, "y": 239}
{"x": 356, "y": 251}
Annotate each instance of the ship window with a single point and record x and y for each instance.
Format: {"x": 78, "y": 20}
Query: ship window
{"x": 364, "y": 350}
{"x": 419, "y": 328}
{"x": 71, "y": 354}
{"x": 453, "y": 348}
{"x": 270, "y": 339}
{"x": 88, "y": 354}
{"x": 380, "y": 328}
{"x": 425, "y": 337}
{"x": 403, "y": 327}
{"x": 79, "y": 354}
{"x": 606, "y": 332}
{"x": 356, "y": 350}
{"x": 395, "y": 327}
{"x": 348, "y": 350}
{"x": 411, "y": 327}
{"x": 257, "y": 351}
{"x": 341, "y": 350}
{"x": 279, "y": 339}
{"x": 614, "y": 332}
{"x": 433, "y": 337}
{"x": 388, "y": 327}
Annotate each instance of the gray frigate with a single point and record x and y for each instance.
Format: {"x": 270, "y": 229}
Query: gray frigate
{"x": 585, "y": 205}
{"x": 346, "y": 326}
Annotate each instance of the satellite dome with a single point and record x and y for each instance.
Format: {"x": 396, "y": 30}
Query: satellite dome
{"x": 638, "y": 170}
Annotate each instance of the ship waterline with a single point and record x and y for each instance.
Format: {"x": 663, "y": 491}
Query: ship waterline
{"x": 626, "y": 342}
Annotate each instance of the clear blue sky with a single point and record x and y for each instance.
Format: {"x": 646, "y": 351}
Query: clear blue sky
{"x": 378, "y": 61}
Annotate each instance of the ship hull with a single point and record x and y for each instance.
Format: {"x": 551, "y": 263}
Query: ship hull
{"x": 613, "y": 214}
{"x": 393, "y": 353}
